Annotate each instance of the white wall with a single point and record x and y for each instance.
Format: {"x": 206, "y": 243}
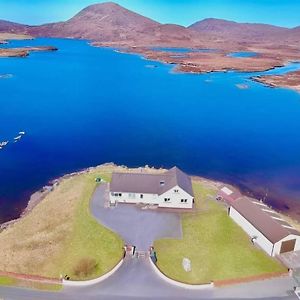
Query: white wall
{"x": 175, "y": 198}
{"x": 261, "y": 240}
{"x": 277, "y": 246}
{"x": 135, "y": 198}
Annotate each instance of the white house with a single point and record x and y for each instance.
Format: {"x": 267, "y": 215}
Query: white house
{"x": 265, "y": 227}
{"x": 171, "y": 189}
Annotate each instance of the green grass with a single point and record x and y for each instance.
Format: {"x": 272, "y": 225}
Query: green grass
{"x": 89, "y": 239}
{"x": 8, "y": 281}
{"x": 217, "y": 247}
{"x": 60, "y": 233}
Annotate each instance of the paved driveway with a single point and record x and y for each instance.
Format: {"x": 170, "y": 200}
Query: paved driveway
{"x": 136, "y": 226}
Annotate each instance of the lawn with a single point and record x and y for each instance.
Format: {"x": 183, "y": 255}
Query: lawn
{"x": 217, "y": 247}
{"x": 60, "y": 236}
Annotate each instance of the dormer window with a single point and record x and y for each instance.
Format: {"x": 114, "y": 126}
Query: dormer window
{"x": 162, "y": 183}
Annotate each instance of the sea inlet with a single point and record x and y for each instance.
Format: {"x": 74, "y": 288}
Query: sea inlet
{"x": 82, "y": 106}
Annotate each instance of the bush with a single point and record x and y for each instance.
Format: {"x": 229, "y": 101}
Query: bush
{"x": 85, "y": 267}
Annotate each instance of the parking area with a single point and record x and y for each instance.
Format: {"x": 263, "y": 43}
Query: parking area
{"x": 139, "y": 227}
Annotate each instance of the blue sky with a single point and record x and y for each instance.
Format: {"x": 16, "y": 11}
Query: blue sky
{"x": 184, "y": 12}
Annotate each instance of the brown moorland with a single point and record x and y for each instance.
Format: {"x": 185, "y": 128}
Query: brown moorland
{"x": 109, "y": 24}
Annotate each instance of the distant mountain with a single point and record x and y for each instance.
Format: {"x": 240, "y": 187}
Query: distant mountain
{"x": 241, "y": 31}
{"x": 111, "y": 24}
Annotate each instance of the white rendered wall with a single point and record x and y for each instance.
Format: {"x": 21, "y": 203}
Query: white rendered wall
{"x": 175, "y": 198}
{"x": 277, "y": 246}
{"x": 135, "y": 198}
{"x": 261, "y": 240}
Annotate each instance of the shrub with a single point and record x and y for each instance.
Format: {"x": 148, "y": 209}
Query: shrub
{"x": 85, "y": 267}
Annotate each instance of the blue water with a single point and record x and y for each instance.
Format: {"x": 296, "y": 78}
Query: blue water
{"x": 242, "y": 54}
{"x": 82, "y": 106}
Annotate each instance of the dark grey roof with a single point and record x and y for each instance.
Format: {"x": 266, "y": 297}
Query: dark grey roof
{"x": 151, "y": 183}
{"x": 264, "y": 219}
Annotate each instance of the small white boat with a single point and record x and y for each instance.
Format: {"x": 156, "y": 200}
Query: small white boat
{"x": 17, "y": 138}
{"x": 3, "y": 144}
{"x": 22, "y": 133}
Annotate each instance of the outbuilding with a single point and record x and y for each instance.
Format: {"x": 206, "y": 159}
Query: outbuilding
{"x": 172, "y": 189}
{"x": 265, "y": 227}
{"x": 228, "y": 194}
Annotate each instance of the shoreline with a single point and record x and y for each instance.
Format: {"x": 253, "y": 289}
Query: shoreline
{"x": 182, "y": 67}
{"x": 39, "y": 195}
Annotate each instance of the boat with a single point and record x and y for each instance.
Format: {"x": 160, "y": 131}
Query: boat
{"x": 22, "y": 133}
{"x": 17, "y": 138}
{"x": 3, "y": 144}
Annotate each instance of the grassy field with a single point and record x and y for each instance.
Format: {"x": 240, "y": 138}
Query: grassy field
{"x": 60, "y": 236}
{"x": 217, "y": 247}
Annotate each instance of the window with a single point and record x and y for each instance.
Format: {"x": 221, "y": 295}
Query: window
{"x": 176, "y": 191}
{"x": 116, "y": 194}
{"x": 167, "y": 199}
{"x": 162, "y": 183}
{"x": 141, "y": 196}
{"x": 183, "y": 200}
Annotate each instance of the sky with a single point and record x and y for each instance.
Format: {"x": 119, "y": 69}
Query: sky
{"x": 184, "y": 12}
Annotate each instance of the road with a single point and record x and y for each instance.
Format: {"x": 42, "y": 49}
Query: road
{"x": 136, "y": 279}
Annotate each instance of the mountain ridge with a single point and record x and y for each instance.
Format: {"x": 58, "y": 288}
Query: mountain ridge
{"x": 111, "y": 24}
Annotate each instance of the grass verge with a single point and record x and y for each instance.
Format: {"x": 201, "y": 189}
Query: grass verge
{"x": 8, "y": 281}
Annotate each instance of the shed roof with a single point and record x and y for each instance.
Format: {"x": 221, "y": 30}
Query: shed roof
{"x": 264, "y": 219}
{"x": 229, "y": 194}
{"x": 151, "y": 183}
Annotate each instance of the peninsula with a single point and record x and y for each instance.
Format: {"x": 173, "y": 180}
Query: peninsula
{"x": 69, "y": 214}
{"x": 290, "y": 80}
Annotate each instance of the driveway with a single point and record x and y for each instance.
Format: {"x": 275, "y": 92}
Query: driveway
{"x": 136, "y": 226}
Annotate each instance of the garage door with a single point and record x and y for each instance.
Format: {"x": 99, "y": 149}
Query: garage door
{"x": 288, "y": 246}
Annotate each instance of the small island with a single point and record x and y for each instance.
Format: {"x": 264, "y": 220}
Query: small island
{"x": 21, "y": 51}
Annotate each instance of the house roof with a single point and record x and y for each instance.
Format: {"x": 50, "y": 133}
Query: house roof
{"x": 264, "y": 219}
{"x": 151, "y": 183}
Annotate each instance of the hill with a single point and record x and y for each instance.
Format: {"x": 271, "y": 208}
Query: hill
{"x": 238, "y": 31}
{"x": 112, "y": 23}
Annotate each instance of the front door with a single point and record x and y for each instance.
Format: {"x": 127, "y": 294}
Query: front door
{"x": 288, "y": 246}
